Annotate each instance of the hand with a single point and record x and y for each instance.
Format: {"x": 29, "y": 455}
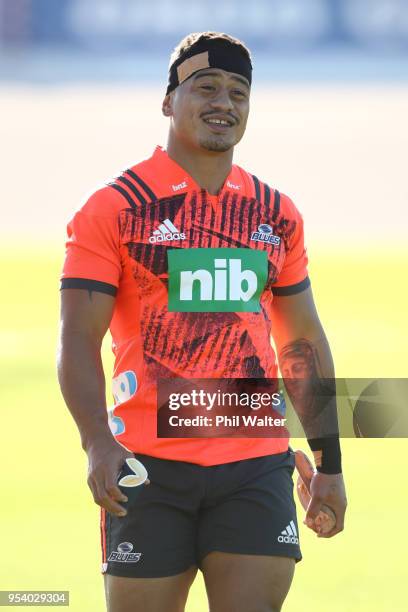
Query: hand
{"x": 329, "y": 490}
{"x": 106, "y": 458}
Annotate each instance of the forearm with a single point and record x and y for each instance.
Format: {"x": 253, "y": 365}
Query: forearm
{"x": 307, "y": 369}
{"x": 82, "y": 382}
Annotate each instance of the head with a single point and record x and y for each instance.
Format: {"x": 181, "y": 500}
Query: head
{"x": 297, "y": 360}
{"x": 207, "y": 98}
{"x": 298, "y": 369}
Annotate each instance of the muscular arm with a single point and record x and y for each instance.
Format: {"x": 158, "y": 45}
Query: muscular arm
{"x": 305, "y": 362}
{"x": 85, "y": 318}
{"x": 306, "y": 366}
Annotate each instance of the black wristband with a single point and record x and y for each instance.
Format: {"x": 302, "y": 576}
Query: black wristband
{"x": 327, "y": 454}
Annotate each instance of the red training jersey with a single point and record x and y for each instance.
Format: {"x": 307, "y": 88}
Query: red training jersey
{"x": 194, "y": 277}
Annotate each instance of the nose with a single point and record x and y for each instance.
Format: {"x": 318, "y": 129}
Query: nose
{"x": 222, "y": 100}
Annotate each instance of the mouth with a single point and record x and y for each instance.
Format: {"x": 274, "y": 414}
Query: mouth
{"x": 219, "y": 124}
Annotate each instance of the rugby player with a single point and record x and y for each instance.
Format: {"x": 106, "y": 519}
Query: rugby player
{"x": 221, "y": 505}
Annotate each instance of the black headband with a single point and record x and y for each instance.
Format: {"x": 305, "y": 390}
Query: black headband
{"x": 209, "y": 53}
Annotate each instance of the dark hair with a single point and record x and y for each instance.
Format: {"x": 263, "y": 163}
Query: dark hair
{"x": 191, "y": 39}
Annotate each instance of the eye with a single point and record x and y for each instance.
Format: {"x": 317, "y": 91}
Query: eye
{"x": 208, "y": 87}
{"x": 239, "y": 93}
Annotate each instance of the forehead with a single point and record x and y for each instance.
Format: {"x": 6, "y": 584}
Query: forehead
{"x": 293, "y": 357}
{"x": 220, "y": 75}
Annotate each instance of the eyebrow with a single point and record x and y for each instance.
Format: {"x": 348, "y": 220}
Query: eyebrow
{"x": 207, "y": 73}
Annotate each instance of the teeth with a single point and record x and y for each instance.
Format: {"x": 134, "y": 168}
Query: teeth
{"x": 218, "y": 121}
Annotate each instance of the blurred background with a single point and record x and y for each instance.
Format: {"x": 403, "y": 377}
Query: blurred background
{"x": 329, "y": 83}
{"x": 81, "y": 86}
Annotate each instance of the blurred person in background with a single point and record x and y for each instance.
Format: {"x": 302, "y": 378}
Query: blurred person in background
{"x": 192, "y": 262}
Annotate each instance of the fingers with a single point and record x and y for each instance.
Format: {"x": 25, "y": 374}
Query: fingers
{"x": 114, "y": 491}
{"x": 306, "y": 471}
{"x": 303, "y": 493}
{"x": 322, "y": 496}
{"x": 106, "y": 493}
{"x": 338, "y": 526}
{"x": 336, "y": 529}
{"x": 305, "y": 467}
{"x": 336, "y": 506}
{"x": 315, "y": 505}
{"x": 103, "y": 499}
{"x": 312, "y": 514}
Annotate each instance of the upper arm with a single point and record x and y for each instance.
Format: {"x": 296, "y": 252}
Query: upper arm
{"x": 294, "y": 316}
{"x": 293, "y": 275}
{"x": 92, "y": 267}
{"x": 93, "y": 245}
{"x": 85, "y": 312}
{"x": 293, "y": 313}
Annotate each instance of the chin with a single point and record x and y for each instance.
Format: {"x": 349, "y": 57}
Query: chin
{"x": 215, "y": 145}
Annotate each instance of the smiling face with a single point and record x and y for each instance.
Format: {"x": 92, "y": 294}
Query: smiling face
{"x": 209, "y": 110}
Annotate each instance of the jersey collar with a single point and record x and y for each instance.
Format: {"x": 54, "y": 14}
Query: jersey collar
{"x": 177, "y": 180}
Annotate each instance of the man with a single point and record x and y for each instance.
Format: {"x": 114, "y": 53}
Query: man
{"x": 192, "y": 262}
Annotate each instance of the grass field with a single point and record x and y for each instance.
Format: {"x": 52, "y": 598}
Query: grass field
{"x": 341, "y": 153}
{"x": 50, "y": 534}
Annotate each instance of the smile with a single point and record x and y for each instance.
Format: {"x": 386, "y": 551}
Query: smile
{"x": 213, "y": 121}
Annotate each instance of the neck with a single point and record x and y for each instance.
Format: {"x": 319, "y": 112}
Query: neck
{"x": 209, "y": 169}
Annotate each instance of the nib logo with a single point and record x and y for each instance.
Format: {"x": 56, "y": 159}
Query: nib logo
{"x": 166, "y": 232}
{"x": 216, "y": 280}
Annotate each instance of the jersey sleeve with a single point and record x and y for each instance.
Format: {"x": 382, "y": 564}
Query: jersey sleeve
{"x": 92, "y": 257}
{"x": 293, "y": 277}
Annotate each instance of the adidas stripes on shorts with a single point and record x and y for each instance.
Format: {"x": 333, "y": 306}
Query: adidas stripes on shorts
{"x": 188, "y": 511}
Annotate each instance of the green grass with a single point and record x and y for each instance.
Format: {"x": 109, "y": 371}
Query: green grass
{"x": 49, "y": 523}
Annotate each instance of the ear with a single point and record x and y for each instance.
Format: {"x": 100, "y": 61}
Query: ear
{"x": 167, "y": 109}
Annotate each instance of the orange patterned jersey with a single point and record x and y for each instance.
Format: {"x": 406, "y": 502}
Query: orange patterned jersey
{"x": 194, "y": 276}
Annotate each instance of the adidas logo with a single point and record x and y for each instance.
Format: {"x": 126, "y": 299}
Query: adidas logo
{"x": 289, "y": 535}
{"x": 165, "y": 232}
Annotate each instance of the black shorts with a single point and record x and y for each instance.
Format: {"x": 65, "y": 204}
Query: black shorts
{"x": 188, "y": 511}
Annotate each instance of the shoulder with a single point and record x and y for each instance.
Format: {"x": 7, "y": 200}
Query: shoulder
{"x": 288, "y": 207}
{"x": 103, "y": 202}
{"x": 127, "y": 189}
